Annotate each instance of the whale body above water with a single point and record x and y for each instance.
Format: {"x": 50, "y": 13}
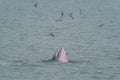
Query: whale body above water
{"x": 60, "y": 56}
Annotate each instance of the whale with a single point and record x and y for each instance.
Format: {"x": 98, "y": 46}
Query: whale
{"x": 60, "y": 56}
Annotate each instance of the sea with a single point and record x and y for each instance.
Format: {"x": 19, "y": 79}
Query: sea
{"x": 32, "y": 30}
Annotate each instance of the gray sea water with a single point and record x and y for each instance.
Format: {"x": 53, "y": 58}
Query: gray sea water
{"x": 32, "y": 30}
